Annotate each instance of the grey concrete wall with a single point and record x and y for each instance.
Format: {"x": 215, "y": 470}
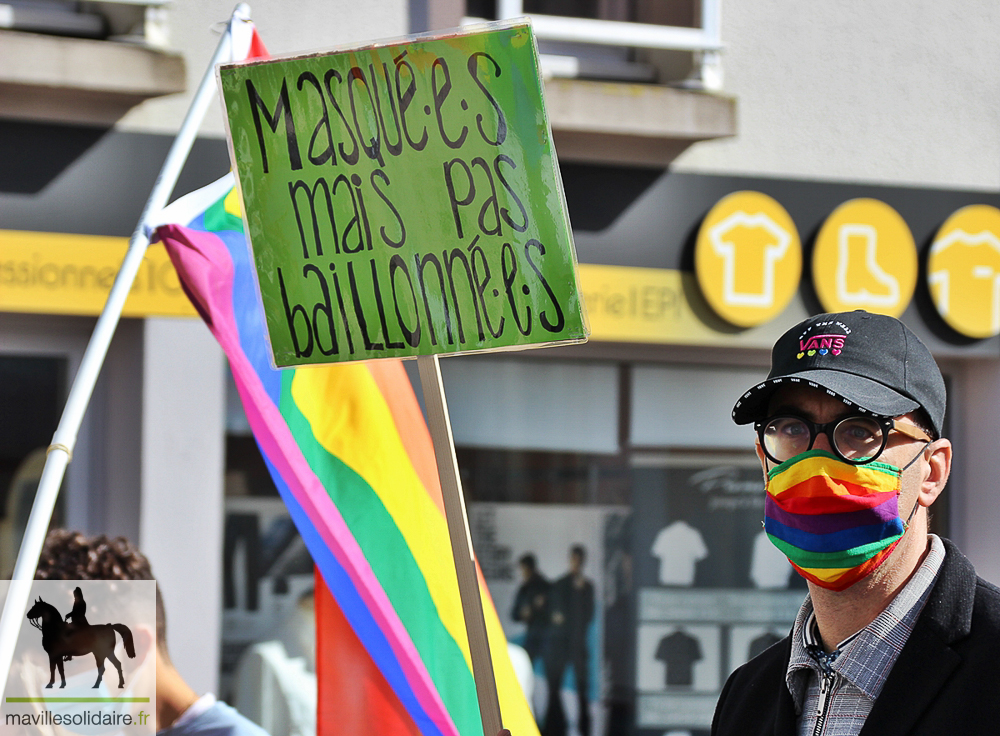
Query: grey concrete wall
{"x": 115, "y": 444}
{"x": 286, "y": 27}
{"x": 900, "y": 91}
{"x": 183, "y": 455}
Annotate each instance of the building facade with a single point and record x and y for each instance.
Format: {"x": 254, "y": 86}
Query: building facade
{"x": 686, "y": 132}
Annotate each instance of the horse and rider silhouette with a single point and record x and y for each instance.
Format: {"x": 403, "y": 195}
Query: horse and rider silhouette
{"x": 74, "y": 637}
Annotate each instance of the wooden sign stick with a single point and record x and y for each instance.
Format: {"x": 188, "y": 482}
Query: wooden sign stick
{"x": 461, "y": 541}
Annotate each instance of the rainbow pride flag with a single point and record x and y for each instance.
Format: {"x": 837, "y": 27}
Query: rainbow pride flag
{"x": 351, "y": 456}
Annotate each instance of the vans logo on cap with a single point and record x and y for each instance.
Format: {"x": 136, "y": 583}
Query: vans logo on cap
{"x": 824, "y": 344}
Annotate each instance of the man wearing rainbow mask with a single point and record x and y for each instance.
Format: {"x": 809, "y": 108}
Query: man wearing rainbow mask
{"x": 898, "y": 635}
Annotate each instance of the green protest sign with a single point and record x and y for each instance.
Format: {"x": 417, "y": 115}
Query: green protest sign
{"x": 404, "y": 199}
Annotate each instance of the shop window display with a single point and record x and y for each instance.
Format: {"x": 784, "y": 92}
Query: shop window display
{"x": 634, "y": 580}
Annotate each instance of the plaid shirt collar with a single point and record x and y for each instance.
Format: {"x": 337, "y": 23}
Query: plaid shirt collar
{"x": 865, "y": 658}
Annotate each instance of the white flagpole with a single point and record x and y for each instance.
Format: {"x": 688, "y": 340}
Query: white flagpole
{"x": 60, "y": 452}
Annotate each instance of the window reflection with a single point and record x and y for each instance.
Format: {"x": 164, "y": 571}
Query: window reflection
{"x": 683, "y": 589}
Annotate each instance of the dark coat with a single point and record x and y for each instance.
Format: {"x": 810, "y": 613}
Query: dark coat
{"x": 946, "y": 680}
{"x": 575, "y": 603}
{"x": 531, "y": 604}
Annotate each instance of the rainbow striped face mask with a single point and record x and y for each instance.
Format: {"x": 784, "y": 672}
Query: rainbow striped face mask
{"x": 835, "y": 522}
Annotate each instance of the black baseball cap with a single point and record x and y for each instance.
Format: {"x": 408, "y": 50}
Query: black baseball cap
{"x": 870, "y": 361}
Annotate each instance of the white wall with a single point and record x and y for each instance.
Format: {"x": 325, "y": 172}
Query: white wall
{"x": 180, "y": 519}
{"x": 900, "y": 91}
{"x": 285, "y": 26}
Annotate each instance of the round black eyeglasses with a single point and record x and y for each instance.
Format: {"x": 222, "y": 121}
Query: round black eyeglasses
{"x": 856, "y": 439}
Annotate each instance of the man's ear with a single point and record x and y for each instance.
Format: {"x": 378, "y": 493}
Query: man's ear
{"x": 936, "y": 471}
{"x": 760, "y": 456}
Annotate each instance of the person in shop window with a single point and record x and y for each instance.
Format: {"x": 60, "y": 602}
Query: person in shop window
{"x": 531, "y": 606}
{"x": 572, "y": 609}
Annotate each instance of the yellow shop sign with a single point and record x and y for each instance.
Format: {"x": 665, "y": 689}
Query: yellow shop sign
{"x": 865, "y": 258}
{"x": 963, "y": 271}
{"x": 649, "y": 305}
{"x": 747, "y": 262}
{"x": 748, "y": 258}
{"x": 59, "y": 273}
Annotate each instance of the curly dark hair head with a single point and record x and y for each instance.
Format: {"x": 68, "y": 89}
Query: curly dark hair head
{"x": 69, "y": 555}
